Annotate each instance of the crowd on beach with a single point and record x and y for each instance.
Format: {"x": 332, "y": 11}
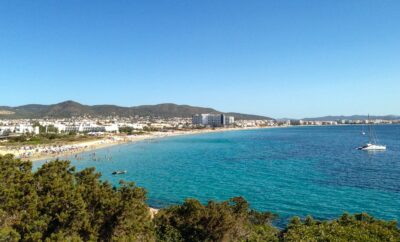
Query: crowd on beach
{"x": 53, "y": 150}
{"x": 56, "y": 150}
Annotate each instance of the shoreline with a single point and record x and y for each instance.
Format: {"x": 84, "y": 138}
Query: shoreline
{"x": 44, "y": 152}
{"x": 54, "y": 151}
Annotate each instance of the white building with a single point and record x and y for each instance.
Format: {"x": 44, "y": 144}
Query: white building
{"x": 139, "y": 126}
{"x": 112, "y": 128}
{"x": 214, "y": 120}
{"x": 229, "y": 120}
{"x": 86, "y": 127}
{"x": 66, "y": 128}
{"x": 23, "y": 129}
{"x": 200, "y": 119}
{"x": 36, "y": 130}
{"x": 296, "y": 122}
{"x": 6, "y": 129}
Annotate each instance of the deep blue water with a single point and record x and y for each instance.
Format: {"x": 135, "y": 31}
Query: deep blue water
{"x": 290, "y": 171}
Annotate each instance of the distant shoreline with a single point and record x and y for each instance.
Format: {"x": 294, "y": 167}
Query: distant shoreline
{"x": 81, "y": 147}
{"x": 114, "y": 140}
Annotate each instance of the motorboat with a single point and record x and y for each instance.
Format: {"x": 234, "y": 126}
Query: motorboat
{"x": 372, "y": 147}
{"x": 119, "y": 172}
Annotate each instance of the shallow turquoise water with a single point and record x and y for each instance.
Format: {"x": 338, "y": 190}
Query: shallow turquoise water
{"x": 290, "y": 171}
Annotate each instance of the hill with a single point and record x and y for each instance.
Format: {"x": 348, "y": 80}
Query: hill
{"x": 69, "y": 109}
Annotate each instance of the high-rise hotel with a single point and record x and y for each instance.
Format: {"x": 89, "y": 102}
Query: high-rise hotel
{"x": 214, "y": 120}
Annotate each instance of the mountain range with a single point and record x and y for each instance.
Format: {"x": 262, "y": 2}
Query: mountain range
{"x": 70, "y": 109}
{"x": 353, "y": 117}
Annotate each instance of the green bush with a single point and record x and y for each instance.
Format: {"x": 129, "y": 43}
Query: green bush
{"x": 226, "y": 221}
{"x": 57, "y": 202}
{"x": 358, "y": 227}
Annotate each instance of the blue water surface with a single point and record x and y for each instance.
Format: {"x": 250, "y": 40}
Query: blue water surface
{"x": 290, "y": 171}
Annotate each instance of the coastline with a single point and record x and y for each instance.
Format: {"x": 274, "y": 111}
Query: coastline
{"x": 54, "y": 151}
{"x": 45, "y": 152}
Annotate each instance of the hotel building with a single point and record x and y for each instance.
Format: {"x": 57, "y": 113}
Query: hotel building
{"x": 214, "y": 120}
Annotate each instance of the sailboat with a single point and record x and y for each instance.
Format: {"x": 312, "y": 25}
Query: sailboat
{"x": 372, "y": 142}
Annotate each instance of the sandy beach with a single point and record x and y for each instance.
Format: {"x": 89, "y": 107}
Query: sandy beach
{"x": 49, "y": 151}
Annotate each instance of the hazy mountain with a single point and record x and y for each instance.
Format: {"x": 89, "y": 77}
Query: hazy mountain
{"x": 73, "y": 109}
{"x": 353, "y": 117}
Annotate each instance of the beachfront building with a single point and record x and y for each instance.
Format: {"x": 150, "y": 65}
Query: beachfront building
{"x": 213, "y": 120}
{"x": 199, "y": 119}
{"x": 6, "y": 129}
{"x": 229, "y": 120}
{"x": 296, "y": 122}
{"x": 86, "y": 128}
{"x": 67, "y": 128}
{"x": 19, "y": 129}
{"x": 136, "y": 126}
{"x": 111, "y": 128}
{"x": 25, "y": 128}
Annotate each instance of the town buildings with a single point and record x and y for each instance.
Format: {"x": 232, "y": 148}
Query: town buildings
{"x": 16, "y": 127}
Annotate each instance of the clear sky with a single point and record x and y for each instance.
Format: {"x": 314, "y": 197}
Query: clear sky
{"x": 277, "y": 58}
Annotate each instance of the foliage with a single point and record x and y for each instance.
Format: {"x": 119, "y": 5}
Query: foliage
{"x": 127, "y": 130}
{"x": 43, "y": 129}
{"x": 263, "y": 233}
{"x": 58, "y": 203}
{"x": 358, "y": 227}
{"x": 47, "y": 138}
{"x": 150, "y": 129}
{"x": 226, "y": 221}
{"x": 130, "y": 131}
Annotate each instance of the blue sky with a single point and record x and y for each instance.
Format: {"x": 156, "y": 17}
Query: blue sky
{"x": 276, "y": 58}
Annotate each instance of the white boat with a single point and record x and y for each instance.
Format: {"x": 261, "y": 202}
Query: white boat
{"x": 372, "y": 147}
{"x": 372, "y": 144}
{"x": 119, "y": 172}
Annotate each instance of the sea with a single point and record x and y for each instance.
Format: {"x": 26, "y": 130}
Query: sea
{"x": 291, "y": 171}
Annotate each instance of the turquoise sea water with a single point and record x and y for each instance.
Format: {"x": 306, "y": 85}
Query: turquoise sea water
{"x": 290, "y": 171}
